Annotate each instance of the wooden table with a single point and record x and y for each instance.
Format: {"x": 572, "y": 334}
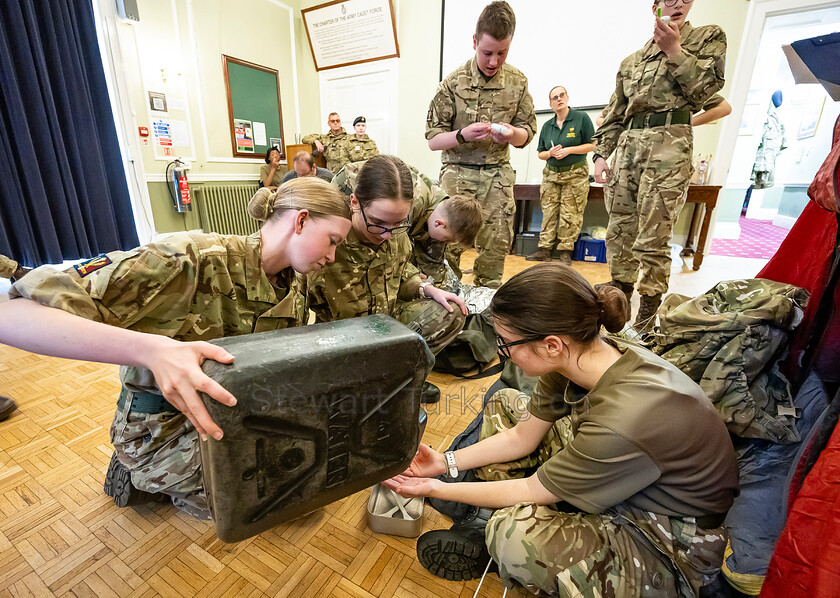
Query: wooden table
{"x": 704, "y": 198}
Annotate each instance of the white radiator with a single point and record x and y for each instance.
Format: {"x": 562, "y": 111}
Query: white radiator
{"x": 224, "y": 209}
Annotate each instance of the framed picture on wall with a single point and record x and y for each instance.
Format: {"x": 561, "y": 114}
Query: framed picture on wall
{"x": 345, "y": 32}
{"x": 810, "y": 119}
{"x": 748, "y": 120}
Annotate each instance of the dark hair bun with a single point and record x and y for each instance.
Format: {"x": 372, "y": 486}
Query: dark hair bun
{"x": 614, "y": 308}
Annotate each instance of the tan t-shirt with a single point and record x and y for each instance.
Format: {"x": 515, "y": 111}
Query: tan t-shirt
{"x": 647, "y": 436}
{"x": 276, "y": 180}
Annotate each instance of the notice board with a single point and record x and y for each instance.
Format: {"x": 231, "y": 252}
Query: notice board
{"x": 253, "y": 95}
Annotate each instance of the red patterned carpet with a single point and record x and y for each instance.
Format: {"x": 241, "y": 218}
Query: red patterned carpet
{"x": 759, "y": 239}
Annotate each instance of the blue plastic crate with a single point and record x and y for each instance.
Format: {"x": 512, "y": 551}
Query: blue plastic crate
{"x": 588, "y": 249}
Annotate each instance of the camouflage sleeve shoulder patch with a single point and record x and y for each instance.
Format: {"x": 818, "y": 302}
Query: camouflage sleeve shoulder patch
{"x": 92, "y": 265}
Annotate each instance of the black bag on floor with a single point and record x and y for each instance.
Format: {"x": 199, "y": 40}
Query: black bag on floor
{"x": 473, "y": 349}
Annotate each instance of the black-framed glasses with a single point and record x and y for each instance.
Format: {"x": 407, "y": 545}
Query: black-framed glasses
{"x": 504, "y": 348}
{"x": 670, "y": 3}
{"x": 378, "y": 229}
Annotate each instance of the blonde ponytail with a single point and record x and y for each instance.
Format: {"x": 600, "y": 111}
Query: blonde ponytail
{"x": 303, "y": 193}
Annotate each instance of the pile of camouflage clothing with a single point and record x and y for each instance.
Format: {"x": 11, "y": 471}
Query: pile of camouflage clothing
{"x": 729, "y": 340}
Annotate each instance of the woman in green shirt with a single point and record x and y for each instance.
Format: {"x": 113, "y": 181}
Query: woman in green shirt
{"x": 614, "y": 479}
{"x": 564, "y": 142}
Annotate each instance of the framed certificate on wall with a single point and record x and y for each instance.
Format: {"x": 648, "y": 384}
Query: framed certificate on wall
{"x": 346, "y": 32}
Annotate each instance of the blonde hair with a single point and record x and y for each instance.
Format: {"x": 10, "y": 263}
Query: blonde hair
{"x": 463, "y": 217}
{"x": 316, "y": 195}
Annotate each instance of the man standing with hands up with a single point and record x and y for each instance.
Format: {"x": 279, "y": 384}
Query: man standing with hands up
{"x": 479, "y": 110}
{"x": 648, "y": 126}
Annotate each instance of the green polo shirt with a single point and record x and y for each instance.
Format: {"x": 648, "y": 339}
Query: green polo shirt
{"x": 577, "y": 130}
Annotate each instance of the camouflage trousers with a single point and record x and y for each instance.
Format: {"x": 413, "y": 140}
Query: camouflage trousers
{"x": 493, "y": 188}
{"x": 8, "y": 267}
{"x": 160, "y": 450}
{"x": 430, "y": 320}
{"x": 563, "y": 199}
{"x": 622, "y": 552}
{"x": 651, "y": 170}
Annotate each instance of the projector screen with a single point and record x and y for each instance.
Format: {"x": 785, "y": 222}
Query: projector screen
{"x": 579, "y": 45}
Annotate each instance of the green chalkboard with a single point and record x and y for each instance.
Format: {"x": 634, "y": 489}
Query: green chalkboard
{"x": 253, "y": 94}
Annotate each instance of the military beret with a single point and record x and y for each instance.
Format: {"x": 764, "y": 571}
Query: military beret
{"x": 359, "y": 119}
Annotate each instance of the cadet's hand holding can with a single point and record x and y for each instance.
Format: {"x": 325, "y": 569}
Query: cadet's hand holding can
{"x": 177, "y": 369}
{"x": 666, "y": 35}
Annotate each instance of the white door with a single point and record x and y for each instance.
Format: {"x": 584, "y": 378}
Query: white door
{"x": 367, "y": 90}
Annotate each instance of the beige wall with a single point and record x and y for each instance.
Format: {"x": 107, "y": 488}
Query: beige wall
{"x": 187, "y": 38}
{"x": 731, "y": 15}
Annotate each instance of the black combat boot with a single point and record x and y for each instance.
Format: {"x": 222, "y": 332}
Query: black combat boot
{"x": 565, "y": 257}
{"x": 540, "y": 255}
{"x": 7, "y": 407}
{"x": 429, "y": 394}
{"x": 118, "y": 486}
{"x": 458, "y": 553}
{"x": 648, "y": 305}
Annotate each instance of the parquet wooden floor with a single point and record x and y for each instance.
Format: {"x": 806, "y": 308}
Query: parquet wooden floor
{"x": 61, "y": 536}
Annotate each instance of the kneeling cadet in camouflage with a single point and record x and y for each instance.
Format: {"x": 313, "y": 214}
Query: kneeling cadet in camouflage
{"x": 130, "y": 307}
{"x": 614, "y": 479}
{"x": 372, "y": 272}
{"x": 436, "y": 220}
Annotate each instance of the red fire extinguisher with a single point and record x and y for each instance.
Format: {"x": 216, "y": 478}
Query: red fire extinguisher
{"x": 179, "y": 186}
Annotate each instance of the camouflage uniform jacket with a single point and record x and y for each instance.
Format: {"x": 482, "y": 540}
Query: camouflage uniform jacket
{"x": 336, "y": 148}
{"x": 464, "y": 98}
{"x": 361, "y": 149}
{"x": 729, "y": 341}
{"x": 426, "y": 253}
{"x": 772, "y": 143}
{"x": 364, "y": 280}
{"x": 188, "y": 286}
{"x": 648, "y": 81}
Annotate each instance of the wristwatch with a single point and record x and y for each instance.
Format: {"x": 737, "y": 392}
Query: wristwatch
{"x": 452, "y": 468}
{"x": 595, "y": 157}
{"x": 421, "y": 290}
{"x": 460, "y": 137}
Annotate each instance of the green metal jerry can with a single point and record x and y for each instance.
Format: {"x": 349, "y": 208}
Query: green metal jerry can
{"x": 322, "y": 412}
